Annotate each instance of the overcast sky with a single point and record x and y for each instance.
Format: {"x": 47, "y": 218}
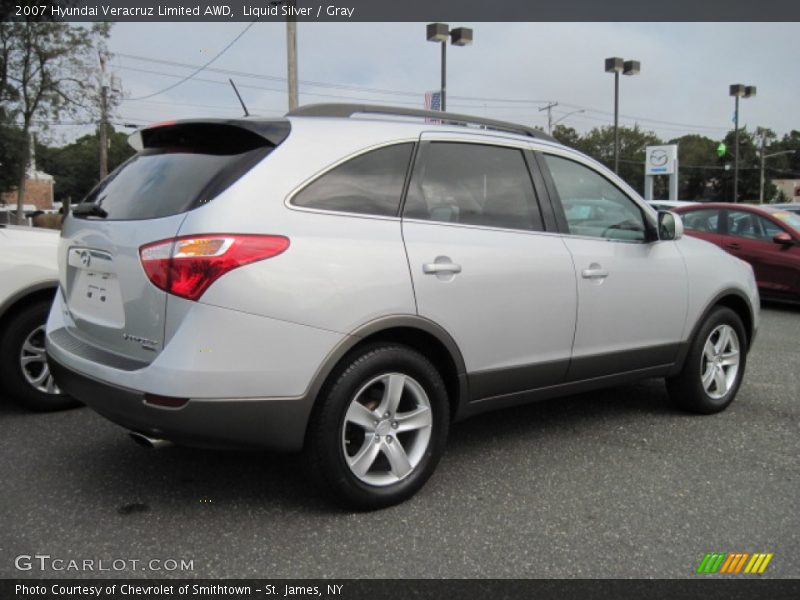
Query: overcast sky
{"x": 511, "y": 68}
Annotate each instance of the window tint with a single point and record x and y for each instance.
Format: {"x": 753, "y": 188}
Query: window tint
{"x": 594, "y": 206}
{"x": 706, "y": 220}
{"x": 749, "y": 225}
{"x": 473, "y": 184}
{"x": 370, "y": 183}
{"x": 182, "y": 166}
{"x": 156, "y": 183}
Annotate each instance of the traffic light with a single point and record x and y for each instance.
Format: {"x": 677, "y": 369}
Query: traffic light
{"x": 722, "y": 149}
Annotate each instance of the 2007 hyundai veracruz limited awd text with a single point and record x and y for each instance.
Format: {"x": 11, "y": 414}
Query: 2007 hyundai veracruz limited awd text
{"x": 351, "y": 279}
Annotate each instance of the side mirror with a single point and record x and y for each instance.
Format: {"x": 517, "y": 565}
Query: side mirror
{"x": 783, "y": 238}
{"x": 670, "y": 226}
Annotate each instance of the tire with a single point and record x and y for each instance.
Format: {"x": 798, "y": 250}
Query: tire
{"x": 385, "y": 413}
{"x": 29, "y": 385}
{"x": 714, "y": 366}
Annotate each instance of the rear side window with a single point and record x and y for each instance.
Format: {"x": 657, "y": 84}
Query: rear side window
{"x": 473, "y": 184}
{"x": 370, "y": 183}
{"x": 181, "y": 167}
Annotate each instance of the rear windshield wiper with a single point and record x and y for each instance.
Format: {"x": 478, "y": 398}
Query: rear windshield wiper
{"x": 90, "y": 210}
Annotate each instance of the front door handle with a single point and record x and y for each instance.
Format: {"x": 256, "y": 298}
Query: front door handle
{"x": 441, "y": 267}
{"x": 733, "y": 246}
{"x": 594, "y": 272}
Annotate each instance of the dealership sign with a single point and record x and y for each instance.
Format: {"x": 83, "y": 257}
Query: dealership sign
{"x": 661, "y": 160}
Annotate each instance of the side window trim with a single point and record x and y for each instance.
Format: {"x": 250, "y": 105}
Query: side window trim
{"x": 416, "y": 170}
{"x": 541, "y": 195}
{"x": 553, "y": 201}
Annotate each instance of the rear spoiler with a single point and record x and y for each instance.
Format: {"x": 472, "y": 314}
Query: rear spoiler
{"x": 252, "y": 133}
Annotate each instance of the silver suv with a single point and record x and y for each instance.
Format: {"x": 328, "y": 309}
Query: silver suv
{"x": 351, "y": 279}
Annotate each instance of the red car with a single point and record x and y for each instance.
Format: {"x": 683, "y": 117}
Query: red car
{"x": 766, "y": 237}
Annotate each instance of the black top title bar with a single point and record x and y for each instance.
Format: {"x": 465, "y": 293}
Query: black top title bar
{"x": 403, "y": 10}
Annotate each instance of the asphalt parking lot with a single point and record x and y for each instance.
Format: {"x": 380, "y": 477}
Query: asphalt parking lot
{"x": 608, "y": 484}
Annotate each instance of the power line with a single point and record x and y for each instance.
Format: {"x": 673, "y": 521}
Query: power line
{"x": 405, "y": 93}
{"x": 199, "y": 69}
{"x": 372, "y": 100}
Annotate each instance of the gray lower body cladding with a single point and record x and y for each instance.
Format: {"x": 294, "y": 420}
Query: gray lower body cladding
{"x": 256, "y": 423}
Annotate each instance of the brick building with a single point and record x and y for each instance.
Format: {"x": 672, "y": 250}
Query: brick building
{"x": 38, "y": 191}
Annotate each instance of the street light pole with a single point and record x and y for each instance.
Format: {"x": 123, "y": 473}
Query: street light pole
{"x": 440, "y": 32}
{"x": 444, "y": 76}
{"x": 574, "y": 112}
{"x": 617, "y": 65}
{"x": 738, "y": 90}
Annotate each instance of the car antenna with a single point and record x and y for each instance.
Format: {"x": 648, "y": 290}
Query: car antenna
{"x": 239, "y": 96}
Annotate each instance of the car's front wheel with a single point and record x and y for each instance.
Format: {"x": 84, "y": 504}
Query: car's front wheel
{"x": 26, "y": 375}
{"x": 714, "y": 366}
{"x": 380, "y": 428}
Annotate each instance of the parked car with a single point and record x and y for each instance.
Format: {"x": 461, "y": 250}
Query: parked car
{"x": 792, "y": 207}
{"x": 766, "y": 236}
{"x": 350, "y": 279}
{"x": 28, "y": 281}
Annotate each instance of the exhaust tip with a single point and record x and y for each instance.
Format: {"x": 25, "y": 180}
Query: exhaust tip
{"x": 148, "y": 442}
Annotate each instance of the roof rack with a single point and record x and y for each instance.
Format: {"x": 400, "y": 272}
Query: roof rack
{"x": 348, "y": 110}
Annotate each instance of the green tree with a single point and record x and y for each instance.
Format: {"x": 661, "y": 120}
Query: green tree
{"x": 749, "y": 169}
{"x": 45, "y": 74}
{"x": 567, "y": 136}
{"x": 10, "y": 141}
{"x": 698, "y": 166}
{"x": 74, "y": 166}
{"x": 599, "y": 144}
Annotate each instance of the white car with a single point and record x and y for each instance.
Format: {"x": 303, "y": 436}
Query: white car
{"x": 28, "y": 282}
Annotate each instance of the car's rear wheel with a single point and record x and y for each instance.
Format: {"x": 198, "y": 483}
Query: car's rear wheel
{"x": 380, "y": 428}
{"x": 26, "y": 375}
{"x": 714, "y": 367}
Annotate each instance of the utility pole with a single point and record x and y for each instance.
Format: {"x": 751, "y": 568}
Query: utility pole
{"x": 549, "y": 109}
{"x": 103, "y": 54}
{"x": 291, "y": 56}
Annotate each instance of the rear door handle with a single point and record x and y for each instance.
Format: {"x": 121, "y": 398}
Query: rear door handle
{"x": 733, "y": 246}
{"x": 441, "y": 267}
{"x": 594, "y": 272}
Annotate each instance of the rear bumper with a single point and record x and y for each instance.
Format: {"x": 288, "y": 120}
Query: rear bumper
{"x": 269, "y": 423}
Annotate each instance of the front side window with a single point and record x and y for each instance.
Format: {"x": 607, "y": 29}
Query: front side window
{"x": 704, "y": 220}
{"x": 473, "y": 184}
{"x": 593, "y": 206}
{"x": 370, "y": 183}
{"x": 748, "y": 225}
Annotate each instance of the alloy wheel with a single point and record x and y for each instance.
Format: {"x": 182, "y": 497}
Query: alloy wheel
{"x": 33, "y": 361}
{"x": 719, "y": 363}
{"x": 386, "y": 429}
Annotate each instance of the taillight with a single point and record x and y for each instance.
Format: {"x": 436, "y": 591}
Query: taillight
{"x": 186, "y": 266}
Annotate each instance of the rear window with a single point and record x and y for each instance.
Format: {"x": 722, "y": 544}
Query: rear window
{"x": 182, "y": 166}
